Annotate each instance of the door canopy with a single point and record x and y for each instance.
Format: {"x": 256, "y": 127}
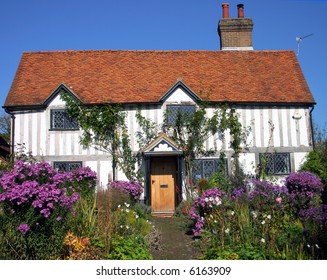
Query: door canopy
{"x": 162, "y": 145}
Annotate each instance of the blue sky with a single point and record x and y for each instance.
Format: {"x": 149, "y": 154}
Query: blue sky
{"x": 39, "y": 25}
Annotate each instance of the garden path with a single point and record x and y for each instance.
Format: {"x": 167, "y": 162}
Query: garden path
{"x": 176, "y": 244}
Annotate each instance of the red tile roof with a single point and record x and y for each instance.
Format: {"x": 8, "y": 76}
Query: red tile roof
{"x": 145, "y": 76}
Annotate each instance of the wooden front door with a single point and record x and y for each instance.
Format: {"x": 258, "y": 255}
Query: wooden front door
{"x": 163, "y": 182}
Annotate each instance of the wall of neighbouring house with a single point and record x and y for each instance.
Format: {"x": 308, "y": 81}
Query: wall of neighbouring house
{"x": 270, "y": 128}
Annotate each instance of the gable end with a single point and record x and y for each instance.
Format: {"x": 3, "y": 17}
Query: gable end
{"x": 56, "y": 92}
{"x": 180, "y": 85}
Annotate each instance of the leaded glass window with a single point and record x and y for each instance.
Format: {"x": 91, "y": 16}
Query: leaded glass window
{"x": 276, "y": 163}
{"x": 173, "y": 111}
{"x": 67, "y": 165}
{"x": 60, "y": 120}
{"x": 205, "y": 168}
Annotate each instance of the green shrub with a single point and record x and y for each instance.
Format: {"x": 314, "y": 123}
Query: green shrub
{"x": 133, "y": 247}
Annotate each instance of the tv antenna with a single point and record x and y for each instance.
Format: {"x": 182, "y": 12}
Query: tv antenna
{"x": 299, "y": 40}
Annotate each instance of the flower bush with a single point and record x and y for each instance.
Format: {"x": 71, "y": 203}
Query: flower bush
{"x": 203, "y": 205}
{"x": 133, "y": 188}
{"x": 36, "y": 201}
{"x": 304, "y": 189}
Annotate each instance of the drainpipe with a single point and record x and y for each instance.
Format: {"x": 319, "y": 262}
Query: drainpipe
{"x": 12, "y": 136}
{"x": 311, "y": 124}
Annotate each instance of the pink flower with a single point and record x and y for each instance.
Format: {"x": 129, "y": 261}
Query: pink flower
{"x": 23, "y": 228}
{"x": 279, "y": 200}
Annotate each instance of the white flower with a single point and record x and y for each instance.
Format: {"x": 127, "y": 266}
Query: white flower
{"x": 317, "y": 246}
{"x": 263, "y": 240}
{"x": 210, "y": 198}
{"x": 126, "y": 204}
{"x": 127, "y": 210}
{"x": 232, "y": 213}
{"x": 118, "y": 206}
{"x": 269, "y": 217}
{"x": 308, "y": 245}
{"x": 121, "y": 226}
{"x": 206, "y": 199}
{"x": 254, "y": 214}
{"x": 211, "y": 216}
{"x": 227, "y": 230}
{"x": 215, "y": 221}
{"x": 127, "y": 227}
{"x": 218, "y": 200}
{"x": 263, "y": 222}
{"x": 136, "y": 216}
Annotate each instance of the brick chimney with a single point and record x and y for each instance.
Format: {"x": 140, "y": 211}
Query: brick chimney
{"x": 235, "y": 33}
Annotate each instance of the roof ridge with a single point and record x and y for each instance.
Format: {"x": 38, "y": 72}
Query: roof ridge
{"x": 154, "y": 51}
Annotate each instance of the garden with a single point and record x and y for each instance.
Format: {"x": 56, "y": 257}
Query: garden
{"x": 46, "y": 214}
{"x": 261, "y": 220}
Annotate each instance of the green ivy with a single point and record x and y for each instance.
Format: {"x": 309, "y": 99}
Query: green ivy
{"x": 104, "y": 127}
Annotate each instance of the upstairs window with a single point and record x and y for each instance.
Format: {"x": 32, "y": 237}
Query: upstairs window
{"x": 173, "y": 111}
{"x": 67, "y": 165}
{"x": 276, "y": 163}
{"x": 205, "y": 168}
{"x": 60, "y": 120}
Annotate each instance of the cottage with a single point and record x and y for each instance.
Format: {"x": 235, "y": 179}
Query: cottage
{"x": 266, "y": 88}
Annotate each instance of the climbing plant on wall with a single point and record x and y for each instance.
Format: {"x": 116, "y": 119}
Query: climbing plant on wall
{"x": 191, "y": 131}
{"x": 104, "y": 128}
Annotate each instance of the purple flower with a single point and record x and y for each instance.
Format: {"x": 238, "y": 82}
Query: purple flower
{"x": 131, "y": 187}
{"x": 23, "y": 228}
{"x": 305, "y": 189}
{"x": 208, "y": 200}
{"x": 42, "y": 188}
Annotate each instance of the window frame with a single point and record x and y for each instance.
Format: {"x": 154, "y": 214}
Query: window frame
{"x": 66, "y": 117}
{"x": 171, "y": 120}
{"x": 218, "y": 167}
{"x": 273, "y": 157}
{"x": 67, "y": 163}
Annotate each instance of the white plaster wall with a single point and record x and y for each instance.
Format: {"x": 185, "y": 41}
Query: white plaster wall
{"x": 299, "y": 159}
{"x": 179, "y": 95}
{"x": 33, "y": 130}
{"x": 247, "y": 162}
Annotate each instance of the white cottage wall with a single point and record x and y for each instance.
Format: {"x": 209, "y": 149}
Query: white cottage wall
{"x": 270, "y": 129}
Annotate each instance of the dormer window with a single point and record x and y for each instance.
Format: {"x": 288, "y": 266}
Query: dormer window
{"x": 60, "y": 120}
{"x": 175, "y": 110}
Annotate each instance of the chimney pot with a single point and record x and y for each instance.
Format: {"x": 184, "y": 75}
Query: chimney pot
{"x": 240, "y": 10}
{"x": 225, "y": 7}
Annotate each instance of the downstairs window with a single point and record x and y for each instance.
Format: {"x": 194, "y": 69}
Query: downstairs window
{"x": 67, "y": 165}
{"x": 276, "y": 163}
{"x": 205, "y": 168}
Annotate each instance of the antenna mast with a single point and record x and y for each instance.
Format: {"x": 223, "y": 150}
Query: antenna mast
{"x": 299, "y": 40}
